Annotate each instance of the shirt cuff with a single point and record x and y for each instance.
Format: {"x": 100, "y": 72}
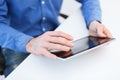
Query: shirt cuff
{"x": 23, "y": 42}
{"x": 89, "y": 20}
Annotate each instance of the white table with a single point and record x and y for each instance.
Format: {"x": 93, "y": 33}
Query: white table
{"x": 99, "y": 64}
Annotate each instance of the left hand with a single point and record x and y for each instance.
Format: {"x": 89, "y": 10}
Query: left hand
{"x": 99, "y": 30}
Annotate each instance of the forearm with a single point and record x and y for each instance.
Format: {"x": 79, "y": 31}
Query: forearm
{"x": 91, "y": 10}
{"x": 9, "y": 37}
{"x": 13, "y": 39}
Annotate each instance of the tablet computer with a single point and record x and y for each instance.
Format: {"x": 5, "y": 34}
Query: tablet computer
{"x": 82, "y": 46}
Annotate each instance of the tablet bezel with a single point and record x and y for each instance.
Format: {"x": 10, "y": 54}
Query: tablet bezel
{"x": 87, "y": 50}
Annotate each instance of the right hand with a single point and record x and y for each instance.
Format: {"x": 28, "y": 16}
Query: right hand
{"x": 51, "y": 40}
{"x": 99, "y": 30}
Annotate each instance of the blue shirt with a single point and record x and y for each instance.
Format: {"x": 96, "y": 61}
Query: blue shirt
{"x": 21, "y": 20}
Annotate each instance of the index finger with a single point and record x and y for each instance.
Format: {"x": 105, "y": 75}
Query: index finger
{"x": 61, "y": 34}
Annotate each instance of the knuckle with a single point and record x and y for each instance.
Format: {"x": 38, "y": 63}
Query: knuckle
{"x": 59, "y": 33}
{"x": 45, "y": 37}
{"x": 58, "y": 39}
{"x": 48, "y": 32}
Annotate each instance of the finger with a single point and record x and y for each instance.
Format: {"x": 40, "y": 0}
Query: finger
{"x": 60, "y": 34}
{"x": 60, "y": 40}
{"x": 92, "y": 33}
{"x": 47, "y": 54}
{"x": 107, "y": 32}
{"x": 100, "y": 32}
{"x": 52, "y": 46}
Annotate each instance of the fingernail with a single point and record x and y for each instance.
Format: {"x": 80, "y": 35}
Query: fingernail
{"x": 72, "y": 44}
{"x": 68, "y": 48}
{"x": 71, "y": 38}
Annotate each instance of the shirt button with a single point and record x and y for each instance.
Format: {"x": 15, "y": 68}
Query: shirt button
{"x": 44, "y": 18}
{"x": 42, "y": 2}
{"x": 43, "y": 29}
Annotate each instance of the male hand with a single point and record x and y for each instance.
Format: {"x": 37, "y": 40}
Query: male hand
{"x": 52, "y": 40}
{"x": 98, "y": 29}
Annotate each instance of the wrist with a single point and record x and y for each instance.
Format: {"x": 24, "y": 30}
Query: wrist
{"x": 99, "y": 21}
{"x": 95, "y": 21}
{"x": 28, "y": 45}
{"x": 93, "y": 24}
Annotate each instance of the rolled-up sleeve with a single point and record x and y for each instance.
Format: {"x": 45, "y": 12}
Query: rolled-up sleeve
{"x": 91, "y": 10}
{"x": 9, "y": 37}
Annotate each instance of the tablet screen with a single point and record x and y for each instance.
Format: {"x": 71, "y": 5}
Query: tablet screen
{"x": 81, "y": 45}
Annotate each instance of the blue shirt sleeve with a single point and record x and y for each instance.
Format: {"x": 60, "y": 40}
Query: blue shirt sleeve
{"x": 9, "y": 37}
{"x": 91, "y": 10}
